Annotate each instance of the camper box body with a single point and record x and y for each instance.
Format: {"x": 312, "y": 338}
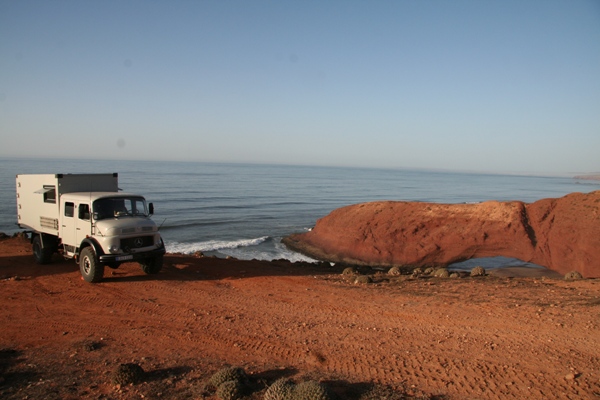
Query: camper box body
{"x": 38, "y": 196}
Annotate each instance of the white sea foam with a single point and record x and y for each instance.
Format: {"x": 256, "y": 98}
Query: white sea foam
{"x": 212, "y": 245}
{"x": 274, "y": 250}
{"x": 245, "y": 249}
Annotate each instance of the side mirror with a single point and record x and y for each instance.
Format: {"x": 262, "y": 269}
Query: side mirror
{"x": 151, "y": 208}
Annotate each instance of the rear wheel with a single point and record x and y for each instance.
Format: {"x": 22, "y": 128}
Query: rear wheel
{"x": 152, "y": 265}
{"x": 42, "y": 255}
{"x": 91, "y": 270}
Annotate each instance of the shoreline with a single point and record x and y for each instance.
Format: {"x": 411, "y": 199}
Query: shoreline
{"x": 508, "y": 271}
{"x": 302, "y": 248}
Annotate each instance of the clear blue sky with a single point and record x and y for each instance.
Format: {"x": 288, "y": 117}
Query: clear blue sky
{"x": 494, "y": 86}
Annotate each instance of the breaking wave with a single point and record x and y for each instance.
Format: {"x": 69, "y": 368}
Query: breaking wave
{"x": 264, "y": 248}
{"x": 212, "y": 245}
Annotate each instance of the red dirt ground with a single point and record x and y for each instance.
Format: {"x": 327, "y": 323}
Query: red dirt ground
{"x": 470, "y": 338}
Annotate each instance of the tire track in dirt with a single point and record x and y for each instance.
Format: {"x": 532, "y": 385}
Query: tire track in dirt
{"x": 461, "y": 339}
{"x": 476, "y": 376}
{"x": 422, "y": 367}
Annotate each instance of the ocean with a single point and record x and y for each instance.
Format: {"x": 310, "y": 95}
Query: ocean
{"x": 243, "y": 210}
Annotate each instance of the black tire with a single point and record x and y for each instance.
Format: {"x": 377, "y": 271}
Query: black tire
{"x": 42, "y": 255}
{"x": 152, "y": 265}
{"x": 91, "y": 270}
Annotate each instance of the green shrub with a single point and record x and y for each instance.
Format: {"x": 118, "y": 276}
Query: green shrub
{"x": 282, "y": 389}
{"x": 311, "y": 390}
{"x": 441, "y": 273}
{"x": 573, "y": 276}
{"x": 230, "y": 390}
{"x": 126, "y": 374}
{"x": 363, "y": 279}
{"x": 235, "y": 374}
{"x": 395, "y": 271}
{"x": 478, "y": 271}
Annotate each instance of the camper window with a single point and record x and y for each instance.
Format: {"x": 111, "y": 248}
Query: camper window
{"x": 49, "y": 194}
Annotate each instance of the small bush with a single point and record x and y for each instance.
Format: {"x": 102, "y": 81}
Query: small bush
{"x": 349, "y": 271}
{"x": 282, "y": 389}
{"x": 235, "y": 374}
{"x": 416, "y": 273}
{"x": 441, "y": 273}
{"x": 363, "y": 279}
{"x": 395, "y": 271}
{"x": 573, "y": 276}
{"x": 311, "y": 390}
{"x": 126, "y": 374}
{"x": 478, "y": 271}
{"x": 230, "y": 390}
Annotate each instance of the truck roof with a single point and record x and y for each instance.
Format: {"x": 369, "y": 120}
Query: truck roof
{"x": 92, "y": 196}
{"x": 67, "y": 183}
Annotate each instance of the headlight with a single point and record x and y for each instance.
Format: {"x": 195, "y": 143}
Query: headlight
{"x": 114, "y": 249}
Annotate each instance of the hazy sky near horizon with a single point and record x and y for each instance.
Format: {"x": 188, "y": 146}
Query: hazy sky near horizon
{"x": 490, "y": 86}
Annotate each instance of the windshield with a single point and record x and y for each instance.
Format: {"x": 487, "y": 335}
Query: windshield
{"x": 115, "y": 207}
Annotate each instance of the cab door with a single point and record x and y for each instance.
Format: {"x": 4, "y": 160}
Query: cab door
{"x": 83, "y": 222}
{"x": 75, "y": 224}
{"x": 67, "y": 226}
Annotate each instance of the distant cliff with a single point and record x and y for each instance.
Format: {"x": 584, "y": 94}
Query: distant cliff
{"x": 561, "y": 234}
{"x": 595, "y": 177}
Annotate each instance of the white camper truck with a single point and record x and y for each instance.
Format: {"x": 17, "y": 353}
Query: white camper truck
{"x": 85, "y": 217}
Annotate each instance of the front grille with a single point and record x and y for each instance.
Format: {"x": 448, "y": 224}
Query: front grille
{"x": 136, "y": 242}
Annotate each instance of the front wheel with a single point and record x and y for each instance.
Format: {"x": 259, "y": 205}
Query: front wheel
{"x": 152, "y": 265}
{"x": 91, "y": 270}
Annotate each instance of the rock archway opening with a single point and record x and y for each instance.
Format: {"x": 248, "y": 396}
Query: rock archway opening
{"x": 492, "y": 263}
{"x": 505, "y": 266}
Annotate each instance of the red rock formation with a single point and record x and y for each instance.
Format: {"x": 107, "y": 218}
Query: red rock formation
{"x": 560, "y": 234}
{"x": 568, "y": 233}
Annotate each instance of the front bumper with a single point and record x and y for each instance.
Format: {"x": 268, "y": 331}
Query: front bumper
{"x": 119, "y": 258}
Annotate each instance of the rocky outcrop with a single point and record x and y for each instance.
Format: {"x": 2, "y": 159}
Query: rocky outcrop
{"x": 561, "y": 234}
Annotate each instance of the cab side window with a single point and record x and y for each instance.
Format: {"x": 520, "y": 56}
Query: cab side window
{"x": 84, "y": 211}
{"x": 69, "y": 209}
